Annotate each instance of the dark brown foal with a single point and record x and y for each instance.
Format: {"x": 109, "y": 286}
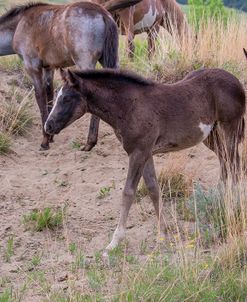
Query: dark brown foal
{"x": 207, "y": 106}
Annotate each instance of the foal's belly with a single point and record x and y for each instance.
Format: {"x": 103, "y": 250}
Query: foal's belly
{"x": 186, "y": 139}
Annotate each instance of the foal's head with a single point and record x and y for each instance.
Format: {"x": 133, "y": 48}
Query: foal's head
{"x": 69, "y": 105}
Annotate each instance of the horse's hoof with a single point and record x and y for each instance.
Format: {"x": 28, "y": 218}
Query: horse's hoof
{"x": 88, "y": 147}
{"x": 44, "y": 147}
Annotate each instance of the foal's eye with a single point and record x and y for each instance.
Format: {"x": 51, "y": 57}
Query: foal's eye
{"x": 66, "y": 99}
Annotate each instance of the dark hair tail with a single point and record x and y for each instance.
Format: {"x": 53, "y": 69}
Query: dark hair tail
{"x": 109, "y": 57}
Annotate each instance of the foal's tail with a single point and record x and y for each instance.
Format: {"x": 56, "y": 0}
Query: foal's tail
{"x": 109, "y": 57}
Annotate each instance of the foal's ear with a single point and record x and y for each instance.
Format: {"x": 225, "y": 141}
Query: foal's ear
{"x": 245, "y": 52}
{"x": 72, "y": 79}
{"x": 63, "y": 74}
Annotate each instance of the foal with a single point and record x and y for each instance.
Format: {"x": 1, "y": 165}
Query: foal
{"x": 207, "y": 106}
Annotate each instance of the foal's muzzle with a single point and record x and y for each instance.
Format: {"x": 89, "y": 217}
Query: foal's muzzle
{"x": 50, "y": 127}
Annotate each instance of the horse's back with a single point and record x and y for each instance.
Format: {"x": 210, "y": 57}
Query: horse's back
{"x": 64, "y": 35}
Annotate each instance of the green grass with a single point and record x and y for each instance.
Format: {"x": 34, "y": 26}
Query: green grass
{"x": 4, "y": 143}
{"x": 9, "y": 251}
{"x": 48, "y": 218}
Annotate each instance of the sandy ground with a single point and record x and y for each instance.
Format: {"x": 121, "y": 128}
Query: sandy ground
{"x": 31, "y": 179}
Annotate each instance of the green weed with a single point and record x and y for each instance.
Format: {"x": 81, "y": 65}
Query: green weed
{"x": 44, "y": 219}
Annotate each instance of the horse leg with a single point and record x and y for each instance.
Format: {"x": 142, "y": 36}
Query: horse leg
{"x": 127, "y": 18}
{"x": 92, "y": 133}
{"x": 136, "y": 165}
{"x": 89, "y": 62}
{"x": 41, "y": 98}
{"x": 224, "y": 141}
{"x": 48, "y": 75}
{"x": 152, "y": 185}
{"x": 152, "y": 36}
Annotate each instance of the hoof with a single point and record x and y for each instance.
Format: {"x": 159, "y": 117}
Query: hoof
{"x": 51, "y": 139}
{"x": 44, "y": 147}
{"x": 88, "y": 147}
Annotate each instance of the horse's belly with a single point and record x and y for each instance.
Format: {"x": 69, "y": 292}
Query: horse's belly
{"x": 57, "y": 59}
{"x": 147, "y": 21}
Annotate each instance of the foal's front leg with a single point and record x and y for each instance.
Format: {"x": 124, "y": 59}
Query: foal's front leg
{"x": 136, "y": 164}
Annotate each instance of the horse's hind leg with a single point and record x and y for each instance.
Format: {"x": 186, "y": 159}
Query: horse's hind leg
{"x": 152, "y": 185}
{"x": 92, "y": 134}
{"x": 88, "y": 61}
{"x": 35, "y": 73}
{"x": 48, "y": 75}
{"x": 224, "y": 140}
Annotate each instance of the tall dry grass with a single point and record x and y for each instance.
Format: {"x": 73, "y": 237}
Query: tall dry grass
{"x": 215, "y": 44}
{"x": 15, "y": 115}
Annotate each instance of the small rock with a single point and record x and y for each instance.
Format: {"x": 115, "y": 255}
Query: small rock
{"x": 62, "y": 278}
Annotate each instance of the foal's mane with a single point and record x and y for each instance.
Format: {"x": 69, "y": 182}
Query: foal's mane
{"x": 18, "y": 9}
{"x": 114, "y": 75}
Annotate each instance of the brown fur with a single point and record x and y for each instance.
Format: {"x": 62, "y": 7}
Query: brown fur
{"x": 48, "y": 36}
{"x": 168, "y": 14}
{"x": 207, "y": 106}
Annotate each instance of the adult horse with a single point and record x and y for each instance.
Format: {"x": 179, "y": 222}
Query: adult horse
{"x": 207, "y": 106}
{"x": 147, "y": 16}
{"x": 48, "y": 36}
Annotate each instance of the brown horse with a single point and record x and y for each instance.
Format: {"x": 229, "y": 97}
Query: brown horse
{"x": 207, "y": 106}
{"x": 147, "y": 16}
{"x": 48, "y": 36}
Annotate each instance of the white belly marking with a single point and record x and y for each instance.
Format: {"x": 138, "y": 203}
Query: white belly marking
{"x": 205, "y": 129}
{"x": 147, "y": 21}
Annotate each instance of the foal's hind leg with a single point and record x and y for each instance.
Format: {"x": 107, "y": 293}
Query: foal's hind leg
{"x": 136, "y": 165}
{"x": 152, "y": 185}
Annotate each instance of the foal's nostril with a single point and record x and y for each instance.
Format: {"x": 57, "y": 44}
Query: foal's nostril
{"x": 49, "y": 127}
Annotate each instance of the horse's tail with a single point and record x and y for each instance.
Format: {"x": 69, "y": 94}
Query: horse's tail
{"x": 241, "y": 131}
{"x": 109, "y": 57}
{"x": 174, "y": 19}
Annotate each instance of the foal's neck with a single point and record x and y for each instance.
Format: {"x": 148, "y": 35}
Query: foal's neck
{"x": 105, "y": 103}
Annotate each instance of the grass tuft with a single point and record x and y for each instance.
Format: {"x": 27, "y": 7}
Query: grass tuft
{"x": 48, "y": 218}
{"x": 4, "y": 143}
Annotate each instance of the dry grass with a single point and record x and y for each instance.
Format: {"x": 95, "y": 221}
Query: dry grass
{"x": 15, "y": 115}
{"x": 214, "y": 45}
